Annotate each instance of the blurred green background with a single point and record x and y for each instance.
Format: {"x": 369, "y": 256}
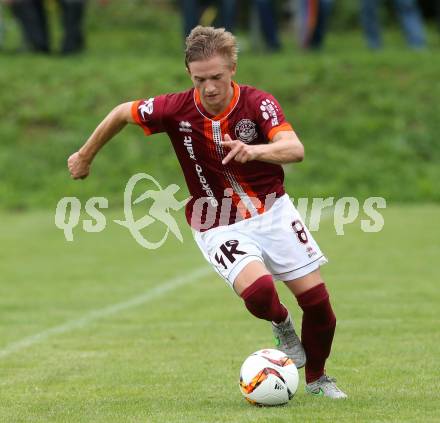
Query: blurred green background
{"x": 369, "y": 120}
{"x": 370, "y": 125}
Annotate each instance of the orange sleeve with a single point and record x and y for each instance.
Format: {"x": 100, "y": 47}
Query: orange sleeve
{"x": 283, "y": 127}
{"x": 135, "y": 116}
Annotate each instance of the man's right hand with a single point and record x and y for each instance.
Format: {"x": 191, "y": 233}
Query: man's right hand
{"x": 79, "y": 167}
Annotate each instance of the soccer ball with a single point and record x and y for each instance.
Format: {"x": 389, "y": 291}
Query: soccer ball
{"x": 268, "y": 377}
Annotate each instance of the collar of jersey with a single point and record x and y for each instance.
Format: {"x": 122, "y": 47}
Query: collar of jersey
{"x": 226, "y": 112}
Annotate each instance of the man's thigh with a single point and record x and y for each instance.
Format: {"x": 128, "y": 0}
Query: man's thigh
{"x": 234, "y": 256}
{"x": 289, "y": 249}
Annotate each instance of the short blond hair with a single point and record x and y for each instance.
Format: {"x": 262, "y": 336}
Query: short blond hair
{"x": 205, "y": 42}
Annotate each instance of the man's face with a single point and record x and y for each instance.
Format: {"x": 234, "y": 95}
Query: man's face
{"x": 212, "y": 78}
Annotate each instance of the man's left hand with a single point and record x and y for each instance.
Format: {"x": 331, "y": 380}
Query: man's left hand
{"x": 240, "y": 151}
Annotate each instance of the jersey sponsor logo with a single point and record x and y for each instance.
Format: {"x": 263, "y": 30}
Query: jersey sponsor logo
{"x": 245, "y": 130}
{"x": 185, "y": 126}
{"x": 146, "y": 107}
{"x": 187, "y": 142}
{"x": 269, "y": 111}
{"x": 228, "y": 250}
{"x": 205, "y": 186}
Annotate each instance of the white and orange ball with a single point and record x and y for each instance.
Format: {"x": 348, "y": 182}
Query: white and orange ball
{"x": 268, "y": 377}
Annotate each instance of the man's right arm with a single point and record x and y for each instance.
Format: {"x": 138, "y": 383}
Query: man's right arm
{"x": 79, "y": 162}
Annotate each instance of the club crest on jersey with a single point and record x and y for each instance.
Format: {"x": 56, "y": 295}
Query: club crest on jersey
{"x": 245, "y": 130}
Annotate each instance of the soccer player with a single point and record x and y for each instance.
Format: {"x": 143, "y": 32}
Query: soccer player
{"x": 231, "y": 141}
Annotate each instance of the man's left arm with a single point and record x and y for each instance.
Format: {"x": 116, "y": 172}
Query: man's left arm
{"x": 285, "y": 147}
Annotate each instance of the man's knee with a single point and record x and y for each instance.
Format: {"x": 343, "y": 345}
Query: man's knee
{"x": 261, "y": 299}
{"x": 260, "y": 292}
{"x": 248, "y": 275}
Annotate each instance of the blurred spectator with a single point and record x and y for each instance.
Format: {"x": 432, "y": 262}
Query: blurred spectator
{"x": 72, "y": 15}
{"x": 430, "y": 9}
{"x": 264, "y": 11}
{"x": 263, "y": 19}
{"x": 312, "y": 18}
{"x": 437, "y": 12}
{"x": 32, "y": 17}
{"x": 2, "y": 28}
{"x": 191, "y": 11}
{"x": 409, "y": 16}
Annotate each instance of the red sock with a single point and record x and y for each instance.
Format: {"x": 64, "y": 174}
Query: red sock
{"x": 318, "y": 328}
{"x": 261, "y": 299}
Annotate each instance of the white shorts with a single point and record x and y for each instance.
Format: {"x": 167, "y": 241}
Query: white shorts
{"x": 278, "y": 238}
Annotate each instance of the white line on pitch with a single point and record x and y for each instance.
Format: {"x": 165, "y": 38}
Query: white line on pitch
{"x": 104, "y": 312}
{"x": 113, "y": 309}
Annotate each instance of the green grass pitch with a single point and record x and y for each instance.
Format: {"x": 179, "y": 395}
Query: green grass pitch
{"x": 175, "y": 356}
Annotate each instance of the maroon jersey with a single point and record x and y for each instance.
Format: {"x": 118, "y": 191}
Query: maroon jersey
{"x": 221, "y": 194}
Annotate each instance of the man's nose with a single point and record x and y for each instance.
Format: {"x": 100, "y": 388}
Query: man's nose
{"x": 209, "y": 88}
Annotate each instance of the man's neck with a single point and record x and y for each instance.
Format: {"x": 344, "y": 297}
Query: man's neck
{"x": 218, "y": 110}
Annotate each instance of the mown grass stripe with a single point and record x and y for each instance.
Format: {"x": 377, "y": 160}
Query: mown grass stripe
{"x": 143, "y": 298}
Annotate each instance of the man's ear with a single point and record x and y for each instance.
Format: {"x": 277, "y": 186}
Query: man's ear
{"x": 234, "y": 68}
